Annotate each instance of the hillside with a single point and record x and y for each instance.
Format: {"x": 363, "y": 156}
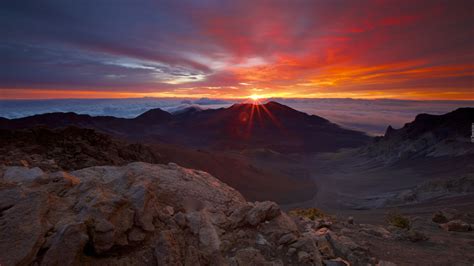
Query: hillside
{"x": 271, "y": 125}
{"x": 427, "y": 136}
{"x": 428, "y": 160}
{"x": 73, "y": 148}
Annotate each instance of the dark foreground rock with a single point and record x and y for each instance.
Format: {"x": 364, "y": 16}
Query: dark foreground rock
{"x": 69, "y": 148}
{"x": 146, "y": 214}
{"x": 456, "y": 225}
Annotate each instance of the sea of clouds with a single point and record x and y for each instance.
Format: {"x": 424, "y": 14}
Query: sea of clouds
{"x": 371, "y": 116}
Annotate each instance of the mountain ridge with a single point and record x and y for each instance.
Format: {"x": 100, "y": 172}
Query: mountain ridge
{"x": 427, "y": 135}
{"x": 271, "y": 125}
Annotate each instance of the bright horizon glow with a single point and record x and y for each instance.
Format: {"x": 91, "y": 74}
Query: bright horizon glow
{"x": 255, "y": 97}
{"x": 294, "y": 49}
{"x": 36, "y": 94}
{"x": 33, "y": 94}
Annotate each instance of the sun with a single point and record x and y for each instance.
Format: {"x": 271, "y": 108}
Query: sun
{"x": 255, "y": 97}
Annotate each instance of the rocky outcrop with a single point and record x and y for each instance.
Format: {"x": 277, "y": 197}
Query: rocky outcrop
{"x": 427, "y": 136}
{"x": 69, "y": 148}
{"x": 456, "y": 225}
{"x": 146, "y": 214}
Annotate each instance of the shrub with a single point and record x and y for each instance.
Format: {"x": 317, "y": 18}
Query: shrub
{"x": 310, "y": 213}
{"x": 396, "y": 219}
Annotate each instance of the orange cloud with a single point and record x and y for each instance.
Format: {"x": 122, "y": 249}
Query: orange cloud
{"x": 370, "y": 49}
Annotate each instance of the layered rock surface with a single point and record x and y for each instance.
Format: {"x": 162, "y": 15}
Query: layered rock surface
{"x": 147, "y": 214}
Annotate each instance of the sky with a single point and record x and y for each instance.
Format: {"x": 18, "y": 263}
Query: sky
{"x": 232, "y": 49}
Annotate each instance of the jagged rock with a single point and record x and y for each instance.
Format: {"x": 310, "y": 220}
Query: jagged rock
{"x": 22, "y": 225}
{"x": 141, "y": 214}
{"x": 167, "y": 250}
{"x": 456, "y": 225}
{"x": 348, "y": 249}
{"x": 389, "y": 131}
{"x": 238, "y": 216}
{"x": 375, "y": 230}
{"x": 325, "y": 246}
{"x": 180, "y": 219}
{"x": 287, "y": 239}
{"x": 303, "y": 257}
{"x": 413, "y": 235}
{"x": 261, "y": 240}
{"x": 263, "y": 211}
{"x": 67, "y": 245}
{"x": 320, "y": 223}
{"x": 416, "y": 236}
{"x": 350, "y": 220}
{"x": 439, "y": 218}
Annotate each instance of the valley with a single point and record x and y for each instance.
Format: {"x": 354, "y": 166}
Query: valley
{"x": 416, "y": 171}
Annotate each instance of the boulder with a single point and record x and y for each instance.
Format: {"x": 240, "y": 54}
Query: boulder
{"x": 416, "y": 236}
{"x": 375, "y": 230}
{"x": 262, "y": 211}
{"x": 67, "y": 245}
{"x": 287, "y": 239}
{"x": 350, "y": 220}
{"x": 439, "y": 218}
{"x": 348, "y": 249}
{"x": 457, "y": 226}
{"x": 141, "y": 214}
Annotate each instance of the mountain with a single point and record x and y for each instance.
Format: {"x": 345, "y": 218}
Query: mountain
{"x": 455, "y": 124}
{"x": 271, "y": 125}
{"x": 154, "y": 116}
{"x": 428, "y": 136}
{"x": 428, "y": 161}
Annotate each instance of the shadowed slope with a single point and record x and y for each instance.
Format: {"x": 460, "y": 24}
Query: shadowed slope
{"x": 271, "y": 125}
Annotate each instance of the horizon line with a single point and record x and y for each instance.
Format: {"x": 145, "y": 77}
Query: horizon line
{"x": 240, "y": 98}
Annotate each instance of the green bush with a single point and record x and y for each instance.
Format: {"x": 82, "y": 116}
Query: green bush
{"x": 396, "y": 219}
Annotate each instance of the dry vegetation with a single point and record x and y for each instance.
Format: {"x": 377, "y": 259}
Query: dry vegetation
{"x": 396, "y": 219}
{"x": 310, "y": 213}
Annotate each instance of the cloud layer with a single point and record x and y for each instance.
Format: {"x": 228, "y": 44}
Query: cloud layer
{"x": 371, "y": 116}
{"x": 370, "y": 49}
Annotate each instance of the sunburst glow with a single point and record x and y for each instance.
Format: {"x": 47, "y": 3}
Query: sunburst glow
{"x": 255, "y": 97}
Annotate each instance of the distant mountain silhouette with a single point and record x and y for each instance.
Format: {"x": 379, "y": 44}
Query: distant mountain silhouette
{"x": 428, "y": 135}
{"x": 154, "y": 116}
{"x": 454, "y": 124}
{"x": 271, "y": 125}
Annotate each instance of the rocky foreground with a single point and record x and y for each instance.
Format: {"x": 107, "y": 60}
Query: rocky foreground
{"x": 151, "y": 214}
{"x": 148, "y": 214}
